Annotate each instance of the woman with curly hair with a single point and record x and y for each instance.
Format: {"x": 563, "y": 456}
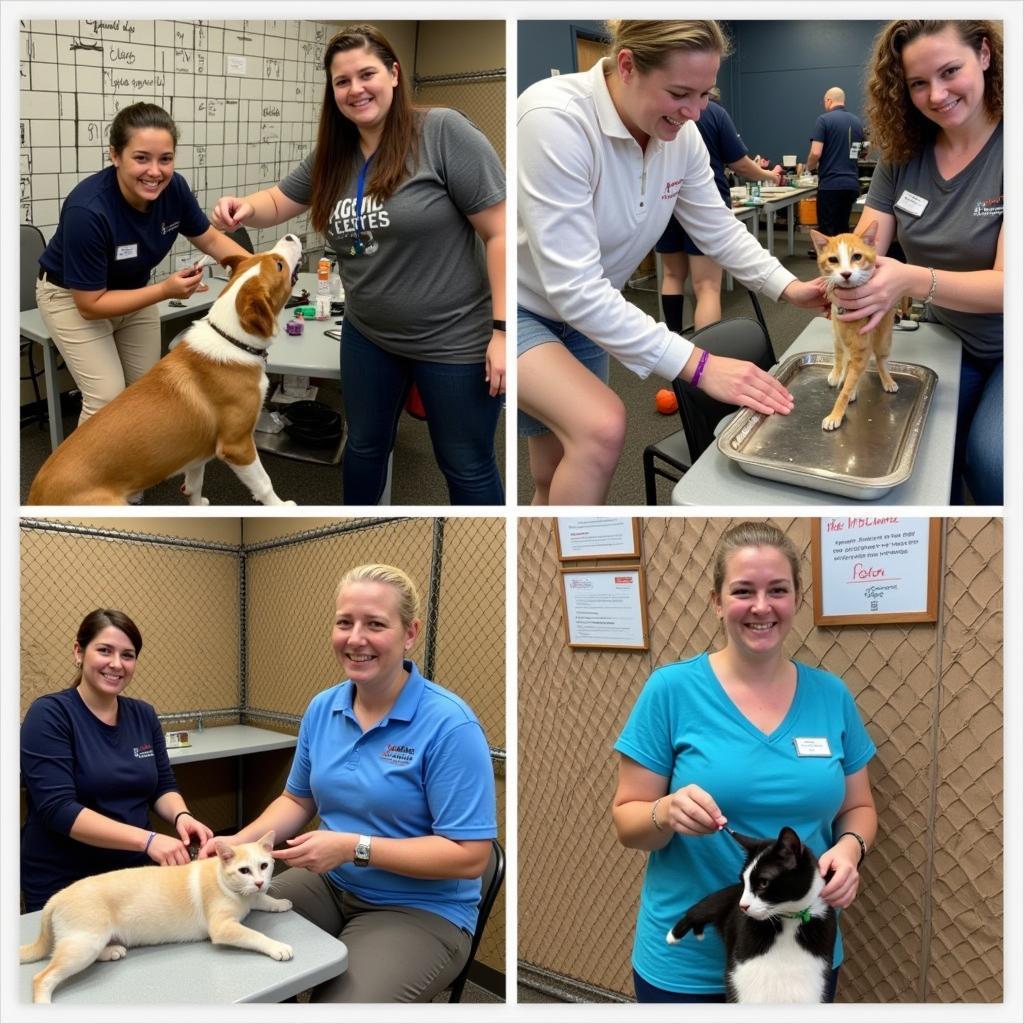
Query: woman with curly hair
{"x": 935, "y": 103}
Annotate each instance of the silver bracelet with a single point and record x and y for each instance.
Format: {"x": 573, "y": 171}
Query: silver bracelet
{"x": 654, "y": 813}
{"x": 931, "y": 291}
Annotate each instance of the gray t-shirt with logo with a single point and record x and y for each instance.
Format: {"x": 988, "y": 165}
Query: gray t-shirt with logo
{"x": 957, "y": 230}
{"x": 419, "y": 287}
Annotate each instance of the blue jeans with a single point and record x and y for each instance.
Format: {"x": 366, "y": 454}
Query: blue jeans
{"x": 461, "y": 416}
{"x": 978, "y": 449}
{"x": 648, "y": 993}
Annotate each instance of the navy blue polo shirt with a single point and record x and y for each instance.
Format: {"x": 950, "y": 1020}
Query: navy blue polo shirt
{"x": 103, "y": 242}
{"x": 70, "y": 760}
{"x": 424, "y": 769}
{"x": 837, "y": 130}
{"x": 723, "y": 141}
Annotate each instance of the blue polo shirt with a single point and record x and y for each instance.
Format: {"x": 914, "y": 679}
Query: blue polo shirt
{"x": 685, "y": 727}
{"x": 102, "y": 241}
{"x": 70, "y": 761}
{"x": 424, "y": 769}
{"x": 837, "y": 129}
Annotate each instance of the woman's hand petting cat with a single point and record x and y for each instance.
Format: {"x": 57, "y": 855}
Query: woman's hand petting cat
{"x": 842, "y": 888}
{"x": 192, "y": 831}
{"x": 693, "y": 812}
{"x": 807, "y": 295}
{"x": 879, "y": 296}
{"x": 167, "y": 850}
{"x": 318, "y": 851}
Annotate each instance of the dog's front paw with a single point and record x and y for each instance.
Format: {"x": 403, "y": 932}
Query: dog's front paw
{"x": 279, "y": 951}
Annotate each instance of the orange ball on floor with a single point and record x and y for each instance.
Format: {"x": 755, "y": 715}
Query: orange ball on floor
{"x": 665, "y": 402}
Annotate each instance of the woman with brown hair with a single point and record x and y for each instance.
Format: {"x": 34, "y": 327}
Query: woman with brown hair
{"x": 93, "y": 763}
{"x": 935, "y": 104}
{"x": 413, "y": 204}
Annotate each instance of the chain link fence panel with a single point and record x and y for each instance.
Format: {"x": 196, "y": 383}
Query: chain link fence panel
{"x": 927, "y": 924}
{"x": 480, "y": 97}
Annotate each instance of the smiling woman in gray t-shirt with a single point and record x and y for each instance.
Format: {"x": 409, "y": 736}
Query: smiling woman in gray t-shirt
{"x": 938, "y": 190}
{"x": 412, "y": 202}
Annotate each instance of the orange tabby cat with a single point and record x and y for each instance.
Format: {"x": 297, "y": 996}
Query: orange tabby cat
{"x": 847, "y": 261}
{"x": 97, "y": 918}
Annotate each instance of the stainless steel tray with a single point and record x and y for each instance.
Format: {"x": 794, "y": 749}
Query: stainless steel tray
{"x": 871, "y": 452}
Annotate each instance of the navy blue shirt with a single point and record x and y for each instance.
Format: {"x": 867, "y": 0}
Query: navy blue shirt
{"x": 723, "y": 142}
{"x": 70, "y": 760}
{"x": 103, "y": 242}
{"x": 837, "y": 130}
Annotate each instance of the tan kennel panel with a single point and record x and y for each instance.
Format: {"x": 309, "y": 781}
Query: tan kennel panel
{"x": 923, "y": 928}
{"x": 184, "y": 601}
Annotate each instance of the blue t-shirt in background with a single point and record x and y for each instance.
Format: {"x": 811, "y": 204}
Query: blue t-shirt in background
{"x": 70, "y": 760}
{"x": 685, "y": 727}
{"x": 103, "y": 242}
{"x": 424, "y": 769}
{"x": 837, "y": 129}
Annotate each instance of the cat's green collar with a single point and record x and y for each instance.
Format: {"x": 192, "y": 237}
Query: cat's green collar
{"x": 801, "y": 915}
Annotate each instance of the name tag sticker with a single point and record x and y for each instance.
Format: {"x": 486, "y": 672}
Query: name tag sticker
{"x": 127, "y": 252}
{"x": 812, "y": 746}
{"x": 909, "y": 203}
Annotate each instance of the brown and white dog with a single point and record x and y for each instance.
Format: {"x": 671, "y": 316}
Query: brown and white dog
{"x": 201, "y": 400}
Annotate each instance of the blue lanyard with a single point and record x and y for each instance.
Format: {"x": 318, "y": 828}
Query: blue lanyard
{"x": 360, "y": 184}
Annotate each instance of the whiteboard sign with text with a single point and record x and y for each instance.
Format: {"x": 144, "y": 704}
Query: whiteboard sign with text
{"x": 605, "y": 608}
{"x": 875, "y": 569}
{"x": 582, "y": 537}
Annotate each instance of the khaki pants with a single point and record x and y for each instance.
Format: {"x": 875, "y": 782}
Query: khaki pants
{"x": 395, "y": 954}
{"x": 103, "y": 356}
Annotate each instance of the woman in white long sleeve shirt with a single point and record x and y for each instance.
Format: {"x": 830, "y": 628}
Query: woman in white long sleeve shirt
{"x": 605, "y": 159}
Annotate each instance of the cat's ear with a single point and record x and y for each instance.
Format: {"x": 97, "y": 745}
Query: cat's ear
{"x": 871, "y": 233}
{"x": 266, "y": 841}
{"x": 819, "y": 240}
{"x": 224, "y": 850}
{"x": 789, "y": 844}
{"x": 747, "y": 842}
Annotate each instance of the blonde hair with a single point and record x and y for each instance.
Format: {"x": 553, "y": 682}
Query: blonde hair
{"x": 753, "y": 535}
{"x": 408, "y": 596}
{"x": 653, "y": 42}
{"x": 896, "y": 126}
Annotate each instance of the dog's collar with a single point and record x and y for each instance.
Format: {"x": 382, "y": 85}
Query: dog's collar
{"x": 261, "y": 352}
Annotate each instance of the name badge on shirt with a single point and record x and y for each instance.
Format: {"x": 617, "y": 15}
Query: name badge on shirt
{"x": 127, "y": 252}
{"x": 812, "y": 746}
{"x": 909, "y": 203}
{"x": 855, "y": 151}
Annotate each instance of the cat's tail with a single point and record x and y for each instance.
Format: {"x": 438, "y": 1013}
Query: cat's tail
{"x": 41, "y": 947}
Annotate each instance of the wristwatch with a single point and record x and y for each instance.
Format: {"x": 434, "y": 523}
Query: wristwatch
{"x": 362, "y": 853}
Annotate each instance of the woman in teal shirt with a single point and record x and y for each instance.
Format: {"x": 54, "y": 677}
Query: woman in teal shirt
{"x": 724, "y": 738}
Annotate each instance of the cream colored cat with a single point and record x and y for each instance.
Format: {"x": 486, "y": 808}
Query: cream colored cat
{"x": 97, "y": 918}
{"x": 847, "y": 261}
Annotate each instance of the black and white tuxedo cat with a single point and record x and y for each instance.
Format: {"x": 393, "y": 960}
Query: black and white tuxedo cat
{"x": 779, "y": 934}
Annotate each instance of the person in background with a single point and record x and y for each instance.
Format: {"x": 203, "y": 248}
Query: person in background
{"x": 605, "y": 160}
{"x": 680, "y": 256}
{"x": 710, "y": 742}
{"x": 398, "y": 771}
{"x": 94, "y": 292}
{"x": 935, "y": 104}
{"x": 412, "y": 202}
{"x": 836, "y": 144}
{"x": 93, "y": 763}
